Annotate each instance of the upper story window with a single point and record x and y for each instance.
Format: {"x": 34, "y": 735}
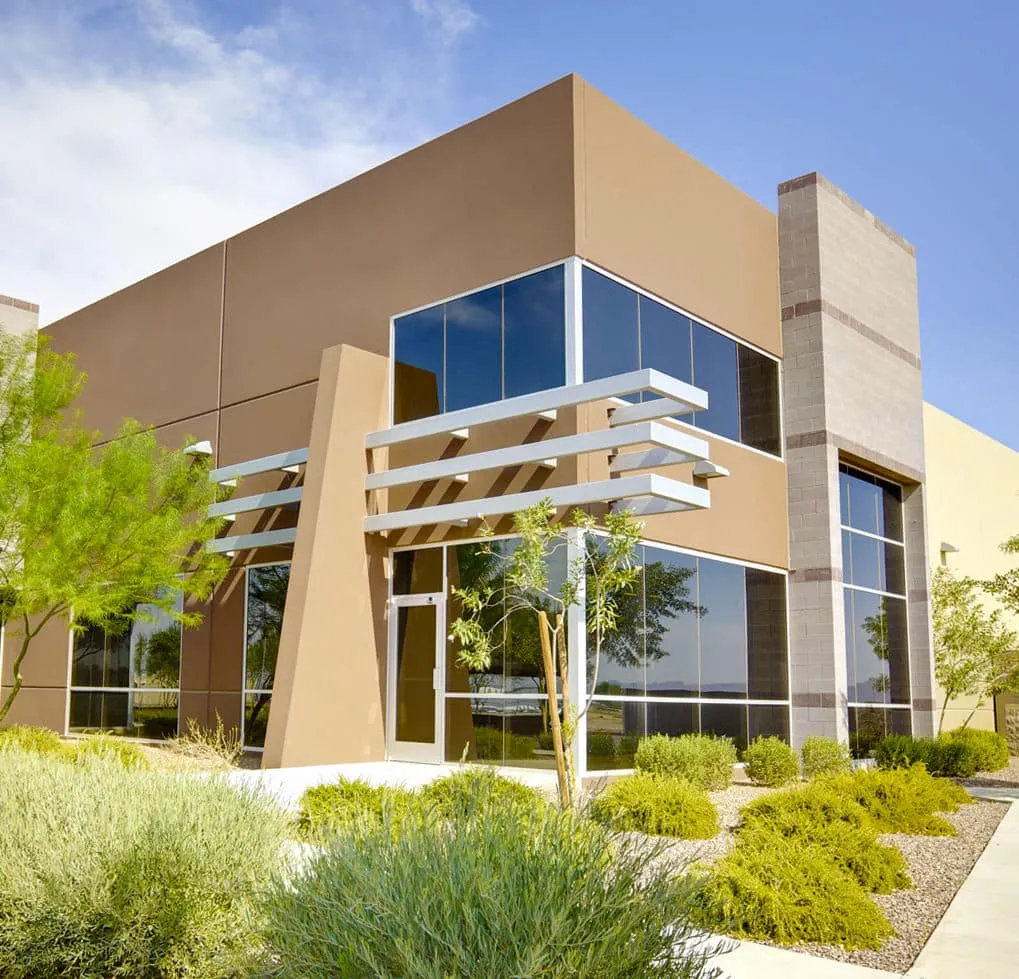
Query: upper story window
{"x": 496, "y": 343}
{"x": 625, "y": 330}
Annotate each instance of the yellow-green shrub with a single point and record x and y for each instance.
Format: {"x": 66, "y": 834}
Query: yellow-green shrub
{"x": 702, "y": 759}
{"x": 468, "y": 792}
{"x": 658, "y": 805}
{"x": 37, "y": 740}
{"x": 342, "y": 805}
{"x": 110, "y": 748}
{"x": 825, "y": 756}
{"x": 770, "y": 761}
{"x": 989, "y": 749}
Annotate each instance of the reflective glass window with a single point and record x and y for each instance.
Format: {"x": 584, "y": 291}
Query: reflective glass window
{"x": 897, "y": 643}
{"x": 767, "y": 635}
{"x": 417, "y": 572}
{"x": 866, "y": 630}
{"x": 869, "y": 725}
{"x": 768, "y": 721}
{"x": 675, "y": 718}
{"x": 499, "y": 731}
{"x": 714, "y": 370}
{"x": 535, "y": 335}
{"x": 418, "y": 376}
{"x": 759, "y": 423}
{"x": 721, "y": 600}
{"x": 725, "y": 721}
{"x": 611, "y": 344}
{"x": 267, "y": 596}
{"x": 664, "y": 340}
{"x": 670, "y": 623}
{"x": 614, "y": 727}
{"x": 620, "y": 669}
{"x": 474, "y": 349}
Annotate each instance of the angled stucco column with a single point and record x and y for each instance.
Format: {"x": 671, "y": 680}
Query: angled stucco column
{"x": 328, "y": 701}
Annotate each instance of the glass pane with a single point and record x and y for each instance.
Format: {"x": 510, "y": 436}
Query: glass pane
{"x": 613, "y": 730}
{"x": 891, "y": 511}
{"x": 670, "y": 623}
{"x": 844, "y": 495}
{"x": 723, "y": 629}
{"x": 714, "y": 369}
{"x": 768, "y": 722}
{"x": 417, "y": 572}
{"x": 155, "y": 648}
{"x": 767, "y": 639}
{"x": 894, "y": 568}
{"x": 621, "y": 664}
{"x": 867, "y": 564}
{"x": 534, "y": 310}
{"x": 256, "y": 718}
{"x": 867, "y": 629}
{"x": 900, "y": 722}
{"x": 759, "y": 401}
{"x": 415, "y": 663}
{"x": 867, "y": 726}
{"x": 864, "y": 503}
{"x": 477, "y": 566}
{"x": 154, "y": 714}
{"x": 95, "y": 711}
{"x": 474, "y": 349}
{"x": 499, "y": 731}
{"x": 664, "y": 340}
{"x": 898, "y": 649}
{"x": 88, "y": 659}
{"x": 674, "y": 719}
{"x": 118, "y": 660}
{"x": 528, "y": 739}
{"x": 417, "y": 370}
{"x": 725, "y": 720}
{"x": 267, "y": 595}
{"x": 610, "y": 327}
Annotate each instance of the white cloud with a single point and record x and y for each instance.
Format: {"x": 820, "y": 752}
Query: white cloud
{"x": 449, "y": 19}
{"x": 136, "y": 134}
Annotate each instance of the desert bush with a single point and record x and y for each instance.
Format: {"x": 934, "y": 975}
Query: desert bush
{"x": 943, "y": 755}
{"x": 339, "y": 806}
{"x": 107, "y": 873}
{"x": 702, "y": 759}
{"x": 817, "y": 803}
{"x": 511, "y": 893}
{"x": 789, "y": 890}
{"x": 989, "y": 749}
{"x": 110, "y": 748}
{"x": 825, "y": 756}
{"x": 601, "y": 746}
{"x": 660, "y": 805}
{"x": 770, "y": 761}
{"x": 37, "y": 740}
{"x": 217, "y": 745}
{"x": 471, "y": 791}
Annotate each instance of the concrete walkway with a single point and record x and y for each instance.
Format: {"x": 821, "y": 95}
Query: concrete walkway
{"x": 979, "y": 935}
{"x": 748, "y": 960}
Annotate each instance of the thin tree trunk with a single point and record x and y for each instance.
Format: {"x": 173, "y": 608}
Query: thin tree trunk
{"x": 565, "y": 795}
{"x": 944, "y": 707}
{"x": 564, "y": 674}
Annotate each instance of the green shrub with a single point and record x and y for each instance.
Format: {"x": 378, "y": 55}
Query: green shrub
{"x": 339, "y": 806}
{"x": 770, "y": 761}
{"x": 903, "y": 800}
{"x": 658, "y": 805}
{"x": 601, "y": 746}
{"x": 487, "y": 744}
{"x": 108, "y": 873}
{"x": 37, "y": 740}
{"x": 825, "y": 756}
{"x": 788, "y": 890}
{"x": 468, "y": 792}
{"x": 110, "y": 748}
{"x": 520, "y": 747}
{"x": 989, "y": 749}
{"x": 702, "y": 759}
{"x": 511, "y": 893}
{"x": 817, "y": 803}
{"x": 943, "y": 755}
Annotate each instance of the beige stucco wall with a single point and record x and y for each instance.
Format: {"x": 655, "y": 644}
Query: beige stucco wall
{"x": 973, "y": 504}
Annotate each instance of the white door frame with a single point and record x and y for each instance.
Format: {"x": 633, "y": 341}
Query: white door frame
{"x": 411, "y": 750}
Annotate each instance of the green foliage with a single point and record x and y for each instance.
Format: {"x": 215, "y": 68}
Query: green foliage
{"x": 702, "y": 759}
{"x": 343, "y": 805}
{"x": 36, "y": 740}
{"x": 789, "y": 890}
{"x": 488, "y": 743}
{"x": 108, "y": 873}
{"x": 1005, "y": 586}
{"x": 510, "y": 893}
{"x": 601, "y": 745}
{"x": 110, "y": 749}
{"x": 974, "y": 650}
{"x": 944, "y": 755}
{"x": 903, "y": 800}
{"x": 217, "y": 744}
{"x": 471, "y": 791}
{"x": 658, "y": 805}
{"x": 824, "y": 756}
{"x": 989, "y": 749}
{"x": 770, "y": 761}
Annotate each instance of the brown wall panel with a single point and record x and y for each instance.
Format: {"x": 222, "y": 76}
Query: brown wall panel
{"x": 228, "y": 706}
{"x": 275, "y": 423}
{"x": 151, "y": 351}
{"x": 40, "y": 707}
{"x": 196, "y": 649}
{"x": 47, "y": 660}
{"x": 227, "y": 643}
{"x": 195, "y": 706}
{"x": 653, "y": 214}
{"x": 481, "y": 203}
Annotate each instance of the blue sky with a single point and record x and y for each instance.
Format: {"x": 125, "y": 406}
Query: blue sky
{"x": 142, "y": 130}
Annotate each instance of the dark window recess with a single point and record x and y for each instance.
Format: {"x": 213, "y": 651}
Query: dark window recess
{"x": 418, "y": 377}
{"x": 534, "y": 344}
{"x": 474, "y": 349}
{"x": 767, "y": 638}
{"x": 769, "y": 722}
{"x": 417, "y": 572}
{"x": 727, "y": 721}
{"x": 758, "y": 401}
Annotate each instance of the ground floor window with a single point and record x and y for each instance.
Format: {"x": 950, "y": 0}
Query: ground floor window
{"x": 128, "y": 682}
{"x": 869, "y": 724}
{"x": 265, "y": 599}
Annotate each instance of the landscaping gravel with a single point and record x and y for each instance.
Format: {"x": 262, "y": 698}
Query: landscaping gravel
{"x": 1007, "y": 777}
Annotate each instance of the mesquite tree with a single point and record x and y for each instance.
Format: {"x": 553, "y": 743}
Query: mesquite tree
{"x": 602, "y": 572}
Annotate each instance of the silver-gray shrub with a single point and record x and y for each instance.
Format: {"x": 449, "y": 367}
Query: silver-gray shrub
{"x": 506, "y": 893}
{"x": 107, "y": 872}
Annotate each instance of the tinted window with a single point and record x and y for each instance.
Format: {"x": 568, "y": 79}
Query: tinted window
{"x": 673, "y": 719}
{"x": 474, "y": 349}
{"x": 721, "y": 598}
{"x": 418, "y": 357}
{"x": 726, "y": 721}
{"x": 267, "y": 596}
{"x": 613, "y": 730}
{"x": 768, "y": 722}
{"x": 758, "y": 400}
{"x": 621, "y": 666}
{"x": 418, "y": 572}
{"x": 866, "y": 630}
{"x": 664, "y": 340}
{"x": 535, "y": 335}
{"x": 767, "y": 640}
{"x": 870, "y": 504}
{"x": 898, "y": 649}
{"x": 714, "y": 370}
{"x": 670, "y": 623}
{"x": 610, "y": 327}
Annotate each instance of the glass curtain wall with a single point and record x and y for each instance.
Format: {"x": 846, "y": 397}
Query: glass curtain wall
{"x": 874, "y": 591}
{"x": 496, "y": 343}
{"x": 265, "y": 601}
{"x": 701, "y": 646}
{"x": 128, "y": 682}
{"x": 625, "y": 330}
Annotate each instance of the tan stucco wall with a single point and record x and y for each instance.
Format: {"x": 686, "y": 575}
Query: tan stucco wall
{"x": 972, "y": 503}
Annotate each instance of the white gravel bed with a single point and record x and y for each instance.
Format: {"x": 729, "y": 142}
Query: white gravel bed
{"x": 1008, "y": 776}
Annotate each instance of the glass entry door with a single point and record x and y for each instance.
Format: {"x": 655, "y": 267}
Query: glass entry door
{"x": 415, "y": 643}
